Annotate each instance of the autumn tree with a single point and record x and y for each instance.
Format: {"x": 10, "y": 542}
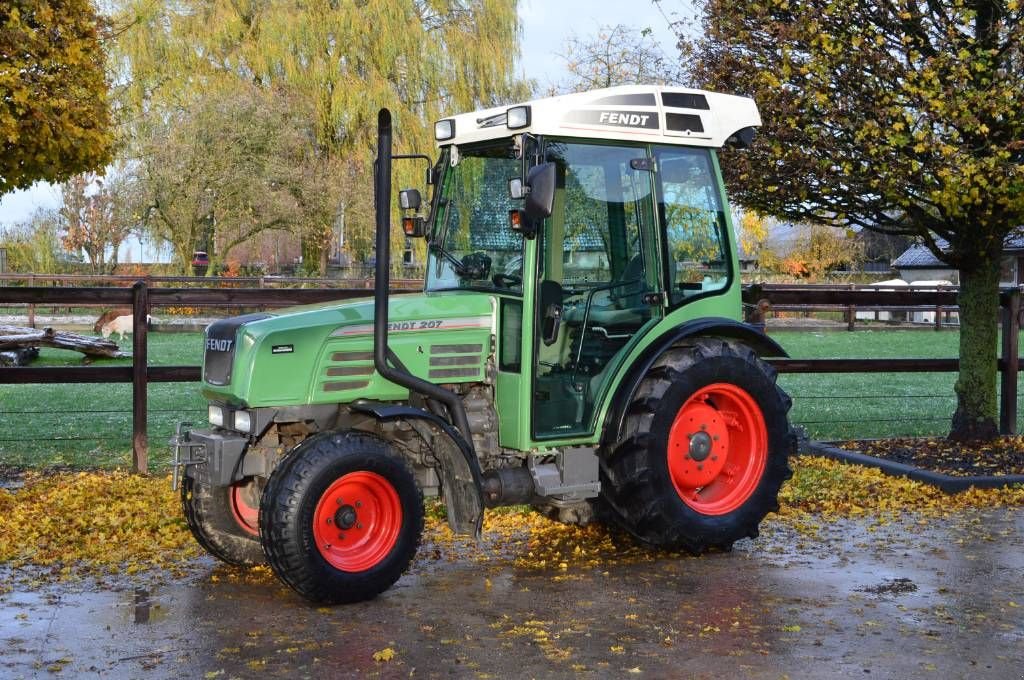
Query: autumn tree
{"x": 615, "y": 55}
{"x": 55, "y": 118}
{"x": 819, "y": 250}
{"x": 902, "y": 117}
{"x": 210, "y": 174}
{"x": 752, "y": 236}
{"x": 339, "y": 62}
{"x": 96, "y": 215}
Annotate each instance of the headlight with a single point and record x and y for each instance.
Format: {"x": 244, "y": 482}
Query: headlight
{"x": 243, "y": 421}
{"x": 215, "y": 414}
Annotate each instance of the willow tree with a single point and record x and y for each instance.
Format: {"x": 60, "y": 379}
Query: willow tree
{"x": 341, "y": 60}
{"x": 902, "y": 117}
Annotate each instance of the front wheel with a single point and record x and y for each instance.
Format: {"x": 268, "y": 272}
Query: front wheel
{"x": 223, "y": 519}
{"x": 341, "y": 518}
{"x": 704, "y": 449}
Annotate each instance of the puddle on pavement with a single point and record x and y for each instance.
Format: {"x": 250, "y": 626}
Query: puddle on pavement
{"x": 140, "y": 607}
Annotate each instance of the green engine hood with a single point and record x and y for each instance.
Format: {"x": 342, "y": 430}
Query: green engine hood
{"x": 324, "y": 353}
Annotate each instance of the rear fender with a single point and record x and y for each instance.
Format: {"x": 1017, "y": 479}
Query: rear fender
{"x": 718, "y": 327}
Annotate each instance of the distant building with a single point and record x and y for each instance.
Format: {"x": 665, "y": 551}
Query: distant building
{"x": 917, "y": 263}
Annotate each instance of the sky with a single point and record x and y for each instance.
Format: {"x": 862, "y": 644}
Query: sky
{"x": 546, "y": 24}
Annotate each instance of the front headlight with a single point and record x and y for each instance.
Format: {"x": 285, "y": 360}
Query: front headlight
{"x": 215, "y": 414}
{"x": 243, "y": 421}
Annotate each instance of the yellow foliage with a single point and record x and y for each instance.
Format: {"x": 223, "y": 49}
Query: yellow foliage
{"x": 114, "y": 522}
{"x": 88, "y": 521}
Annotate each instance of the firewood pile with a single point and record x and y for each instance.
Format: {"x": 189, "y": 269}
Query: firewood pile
{"x": 20, "y": 345}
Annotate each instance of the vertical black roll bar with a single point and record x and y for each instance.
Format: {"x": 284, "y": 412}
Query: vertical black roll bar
{"x": 395, "y": 371}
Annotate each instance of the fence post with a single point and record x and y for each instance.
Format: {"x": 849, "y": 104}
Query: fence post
{"x": 1011, "y": 364}
{"x": 938, "y": 317}
{"x": 140, "y": 438}
{"x": 31, "y": 305}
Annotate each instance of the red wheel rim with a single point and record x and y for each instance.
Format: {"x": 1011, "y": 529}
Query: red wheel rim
{"x": 357, "y": 520}
{"x": 717, "y": 449}
{"x": 246, "y": 510}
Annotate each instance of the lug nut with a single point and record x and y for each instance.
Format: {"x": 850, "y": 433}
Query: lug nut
{"x": 330, "y": 521}
{"x": 359, "y": 504}
{"x": 359, "y": 525}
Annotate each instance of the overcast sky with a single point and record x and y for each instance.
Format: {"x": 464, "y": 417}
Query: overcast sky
{"x": 547, "y": 24}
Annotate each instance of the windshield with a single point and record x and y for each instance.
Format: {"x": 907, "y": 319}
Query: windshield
{"x": 472, "y": 244}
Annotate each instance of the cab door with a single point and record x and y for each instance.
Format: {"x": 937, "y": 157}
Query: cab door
{"x": 598, "y": 287}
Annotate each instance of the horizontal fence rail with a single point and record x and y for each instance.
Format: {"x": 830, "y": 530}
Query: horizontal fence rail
{"x": 126, "y": 281}
{"x": 143, "y": 297}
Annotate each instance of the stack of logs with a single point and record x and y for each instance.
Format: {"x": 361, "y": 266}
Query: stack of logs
{"x": 20, "y": 345}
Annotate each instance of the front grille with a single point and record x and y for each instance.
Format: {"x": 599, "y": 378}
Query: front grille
{"x": 220, "y": 347}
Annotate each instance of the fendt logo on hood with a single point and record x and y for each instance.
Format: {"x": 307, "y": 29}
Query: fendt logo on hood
{"x": 216, "y": 345}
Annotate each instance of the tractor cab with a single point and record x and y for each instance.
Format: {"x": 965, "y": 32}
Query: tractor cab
{"x": 633, "y": 227}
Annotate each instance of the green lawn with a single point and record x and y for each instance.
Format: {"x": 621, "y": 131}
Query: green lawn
{"x": 90, "y": 425}
{"x": 866, "y": 405}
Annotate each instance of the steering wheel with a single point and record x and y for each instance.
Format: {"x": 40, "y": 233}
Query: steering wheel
{"x": 506, "y": 280}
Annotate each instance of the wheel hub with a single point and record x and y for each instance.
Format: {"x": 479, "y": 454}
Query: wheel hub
{"x": 345, "y": 518}
{"x": 717, "y": 448}
{"x": 357, "y": 521}
{"x": 700, "y": 445}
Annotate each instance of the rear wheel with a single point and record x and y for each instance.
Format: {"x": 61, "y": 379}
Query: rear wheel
{"x": 704, "y": 449}
{"x": 341, "y": 518}
{"x": 224, "y": 519}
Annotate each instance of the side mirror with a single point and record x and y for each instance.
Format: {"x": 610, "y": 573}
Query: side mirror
{"x": 409, "y": 199}
{"x": 540, "y": 198}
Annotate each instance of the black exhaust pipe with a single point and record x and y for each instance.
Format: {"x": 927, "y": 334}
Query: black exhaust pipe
{"x": 384, "y": 360}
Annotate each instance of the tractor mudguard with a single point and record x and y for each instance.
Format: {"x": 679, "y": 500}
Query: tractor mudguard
{"x": 714, "y": 326}
{"x": 462, "y": 480}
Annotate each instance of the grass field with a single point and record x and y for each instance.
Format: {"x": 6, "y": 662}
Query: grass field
{"x": 90, "y": 425}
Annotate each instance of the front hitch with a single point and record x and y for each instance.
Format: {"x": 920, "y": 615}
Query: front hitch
{"x": 186, "y": 452}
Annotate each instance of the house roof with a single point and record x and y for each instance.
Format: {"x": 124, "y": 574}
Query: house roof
{"x": 918, "y": 256}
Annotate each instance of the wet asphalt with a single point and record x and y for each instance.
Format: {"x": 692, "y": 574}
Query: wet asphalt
{"x": 847, "y": 599}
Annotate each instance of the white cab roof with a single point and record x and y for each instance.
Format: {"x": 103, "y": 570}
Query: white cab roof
{"x": 645, "y": 113}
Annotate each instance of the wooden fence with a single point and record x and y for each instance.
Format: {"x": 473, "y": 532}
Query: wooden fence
{"x": 142, "y": 298}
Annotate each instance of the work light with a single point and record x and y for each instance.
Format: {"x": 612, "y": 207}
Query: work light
{"x": 444, "y": 129}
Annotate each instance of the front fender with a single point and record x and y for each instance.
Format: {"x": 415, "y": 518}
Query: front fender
{"x": 462, "y": 481}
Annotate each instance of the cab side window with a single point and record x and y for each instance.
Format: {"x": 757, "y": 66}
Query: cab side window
{"x": 690, "y": 207}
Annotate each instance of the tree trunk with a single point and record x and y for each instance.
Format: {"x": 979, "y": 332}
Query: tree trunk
{"x": 19, "y": 337}
{"x": 977, "y": 413}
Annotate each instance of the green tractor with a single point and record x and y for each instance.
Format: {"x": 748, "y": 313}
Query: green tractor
{"x": 577, "y": 346}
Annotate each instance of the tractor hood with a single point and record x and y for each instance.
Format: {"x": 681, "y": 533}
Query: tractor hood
{"x": 324, "y": 353}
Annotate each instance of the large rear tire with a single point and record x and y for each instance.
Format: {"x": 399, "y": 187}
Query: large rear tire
{"x": 223, "y": 519}
{"x": 341, "y": 518}
{"x": 704, "y": 449}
